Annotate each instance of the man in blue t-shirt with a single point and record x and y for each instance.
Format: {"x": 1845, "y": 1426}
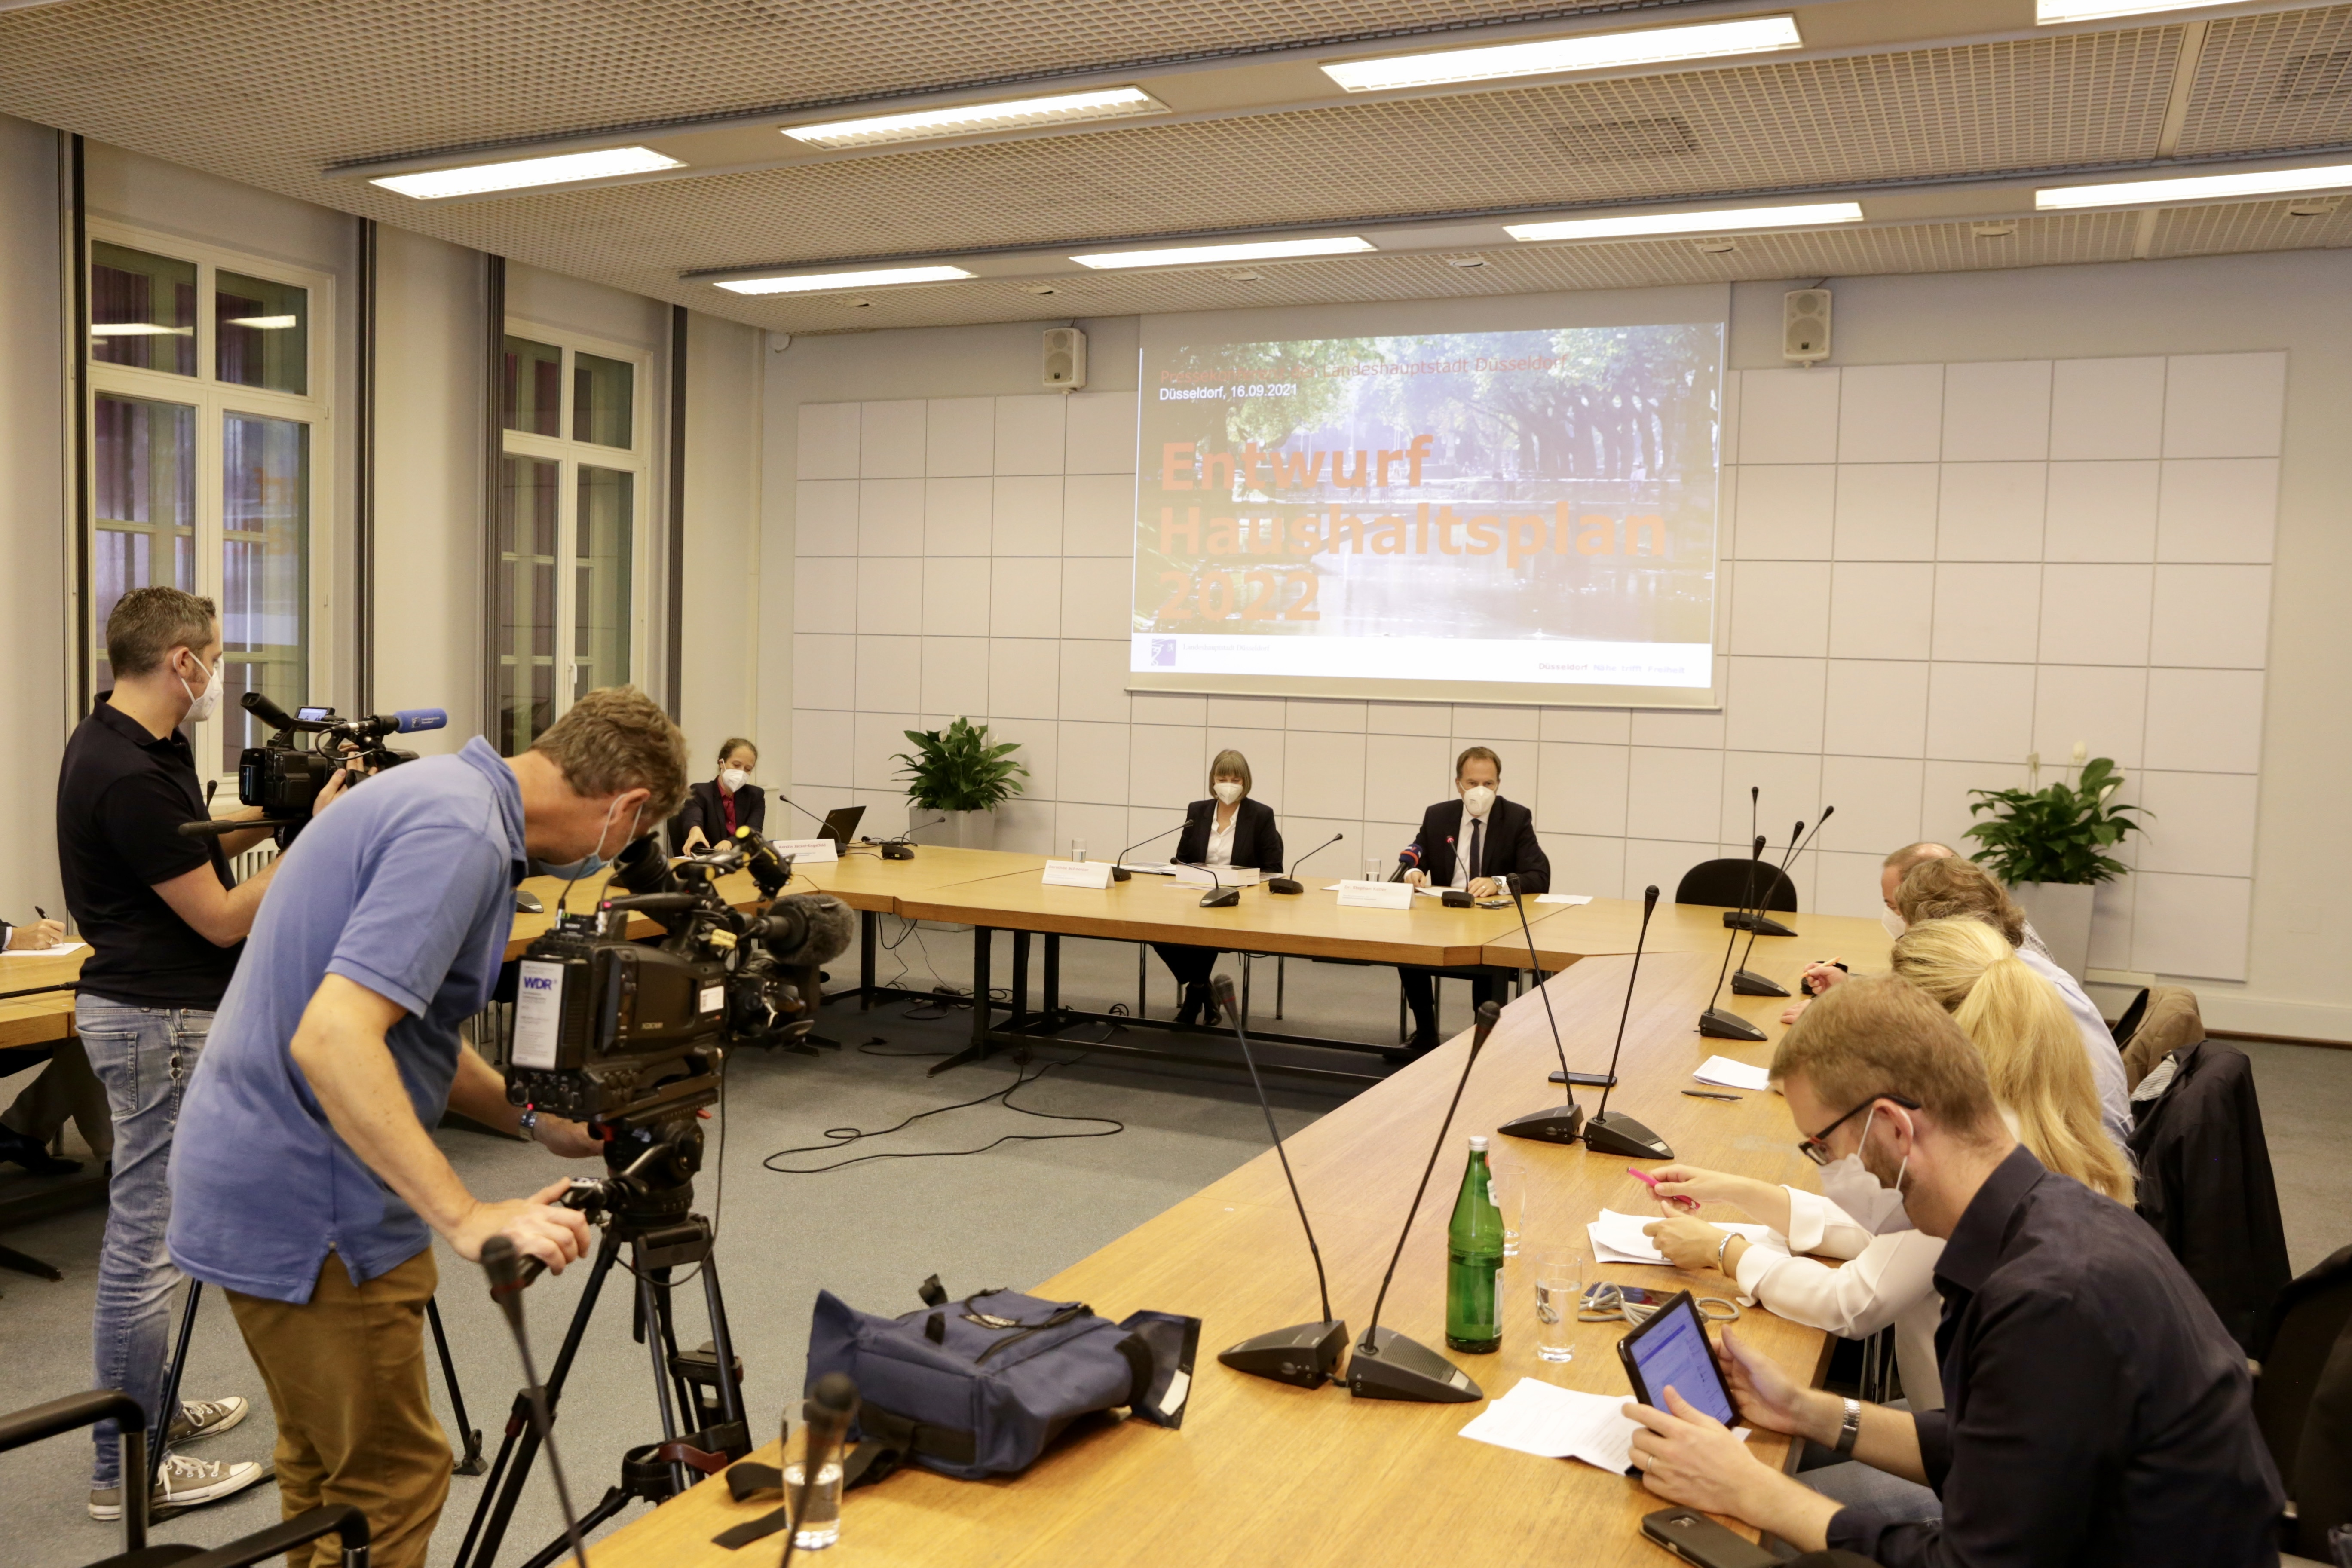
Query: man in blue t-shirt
{"x": 306, "y": 1182}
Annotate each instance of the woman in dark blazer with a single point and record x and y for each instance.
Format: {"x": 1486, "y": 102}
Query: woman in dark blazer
{"x": 1227, "y": 829}
{"x": 716, "y": 808}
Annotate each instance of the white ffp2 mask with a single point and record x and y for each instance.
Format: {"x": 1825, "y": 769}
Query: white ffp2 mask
{"x": 1894, "y": 922}
{"x": 1226, "y": 790}
{"x": 734, "y": 779}
{"x": 1478, "y": 800}
{"x": 1848, "y": 1183}
{"x": 203, "y": 705}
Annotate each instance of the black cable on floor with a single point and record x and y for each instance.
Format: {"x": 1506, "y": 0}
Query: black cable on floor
{"x": 840, "y": 1137}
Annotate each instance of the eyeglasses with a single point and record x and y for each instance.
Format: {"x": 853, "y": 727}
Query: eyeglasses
{"x": 1816, "y": 1146}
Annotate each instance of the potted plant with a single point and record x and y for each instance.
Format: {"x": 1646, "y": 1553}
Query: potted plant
{"x": 957, "y": 772}
{"x": 2050, "y": 846}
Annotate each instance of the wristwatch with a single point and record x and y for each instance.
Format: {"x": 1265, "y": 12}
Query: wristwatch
{"x": 529, "y": 1125}
{"x": 1849, "y": 1429}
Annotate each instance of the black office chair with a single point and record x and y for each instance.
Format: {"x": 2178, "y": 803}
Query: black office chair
{"x": 79, "y": 1410}
{"x": 2303, "y": 1363}
{"x": 1727, "y": 884}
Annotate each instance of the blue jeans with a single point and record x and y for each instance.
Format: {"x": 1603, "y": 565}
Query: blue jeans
{"x": 143, "y": 1056}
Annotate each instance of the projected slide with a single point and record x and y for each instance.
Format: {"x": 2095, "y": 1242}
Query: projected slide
{"x": 1524, "y": 516}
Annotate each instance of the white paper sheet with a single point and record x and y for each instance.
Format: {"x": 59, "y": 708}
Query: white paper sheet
{"x": 1554, "y": 1422}
{"x": 1563, "y": 898}
{"x": 1618, "y": 1238}
{"x": 1728, "y": 1074}
{"x": 63, "y": 948}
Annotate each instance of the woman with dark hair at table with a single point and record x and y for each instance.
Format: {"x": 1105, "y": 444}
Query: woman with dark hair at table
{"x": 1227, "y": 829}
{"x": 716, "y": 808}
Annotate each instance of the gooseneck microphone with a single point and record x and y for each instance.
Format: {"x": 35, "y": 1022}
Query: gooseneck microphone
{"x": 1385, "y": 1364}
{"x": 1305, "y": 1354}
{"x": 504, "y": 1265}
{"x": 1290, "y": 884}
{"x": 1614, "y": 1133}
{"x": 1746, "y": 981}
{"x": 1118, "y": 872}
{"x": 1558, "y": 1123}
{"x": 831, "y": 1406}
{"x": 1714, "y": 1022}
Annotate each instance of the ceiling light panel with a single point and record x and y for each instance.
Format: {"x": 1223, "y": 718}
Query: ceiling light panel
{"x": 868, "y": 278}
{"x": 1813, "y": 215}
{"x": 1201, "y": 255}
{"x": 266, "y": 324}
{"x": 2045, "y": 12}
{"x": 927, "y": 124}
{"x": 2193, "y": 188}
{"x": 1553, "y": 57}
{"x": 521, "y": 174}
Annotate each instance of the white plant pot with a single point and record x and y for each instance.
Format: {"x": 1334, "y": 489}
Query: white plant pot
{"x": 977, "y": 830}
{"x": 2061, "y": 913}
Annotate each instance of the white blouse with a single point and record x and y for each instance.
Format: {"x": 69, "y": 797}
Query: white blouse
{"x": 1887, "y": 1279}
{"x": 1220, "y": 839}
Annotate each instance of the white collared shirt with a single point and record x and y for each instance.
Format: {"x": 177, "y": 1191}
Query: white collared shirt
{"x": 1220, "y": 839}
{"x": 1462, "y": 845}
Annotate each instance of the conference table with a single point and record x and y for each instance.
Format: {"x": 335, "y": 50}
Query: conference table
{"x": 1262, "y": 1472}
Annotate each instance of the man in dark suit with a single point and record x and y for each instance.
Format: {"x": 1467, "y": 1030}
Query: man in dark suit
{"x": 1470, "y": 842}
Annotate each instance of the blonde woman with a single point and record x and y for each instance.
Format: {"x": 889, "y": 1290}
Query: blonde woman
{"x": 1229, "y": 828}
{"x": 2032, "y": 1054}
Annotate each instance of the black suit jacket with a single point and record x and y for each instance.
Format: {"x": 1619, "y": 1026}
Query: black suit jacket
{"x": 1509, "y": 845}
{"x": 1258, "y": 843}
{"x": 702, "y": 809}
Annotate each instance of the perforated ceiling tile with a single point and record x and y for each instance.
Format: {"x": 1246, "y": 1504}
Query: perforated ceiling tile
{"x": 2252, "y": 225}
{"x": 2279, "y": 80}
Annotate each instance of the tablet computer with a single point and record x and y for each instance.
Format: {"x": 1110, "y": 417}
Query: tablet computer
{"x": 1672, "y": 1348}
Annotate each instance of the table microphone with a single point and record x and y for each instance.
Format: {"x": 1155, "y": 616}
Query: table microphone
{"x": 1120, "y": 873}
{"x": 1554, "y": 1124}
{"x": 831, "y": 1406}
{"x": 1385, "y": 1364}
{"x": 1745, "y": 981}
{"x": 1614, "y": 1133}
{"x": 1305, "y": 1354}
{"x": 1714, "y": 1022}
{"x": 1291, "y": 884}
{"x": 504, "y": 1265}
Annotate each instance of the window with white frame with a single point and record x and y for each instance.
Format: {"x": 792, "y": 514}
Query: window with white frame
{"x": 210, "y": 458}
{"x": 572, "y": 500}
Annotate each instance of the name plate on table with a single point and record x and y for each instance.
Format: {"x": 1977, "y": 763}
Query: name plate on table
{"x": 1223, "y": 877}
{"x": 807, "y": 851}
{"x": 1077, "y": 873}
{"x": 1363, "y": 895}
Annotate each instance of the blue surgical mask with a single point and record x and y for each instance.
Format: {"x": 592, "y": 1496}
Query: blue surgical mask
{"x": 588, "y": 865}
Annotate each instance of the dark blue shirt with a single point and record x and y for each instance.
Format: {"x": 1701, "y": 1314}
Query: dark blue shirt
{"x": 2095, "y": 1411}
{"x": 405, "y": 887}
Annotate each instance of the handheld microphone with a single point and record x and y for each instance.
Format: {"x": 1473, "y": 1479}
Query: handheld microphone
{"x": 1118, "y": 872}
{"x": 1555, "y": 1124}
{"x": 1714, "y": 1022}
{"x": 504, "y": 1265}
{"x": 1305, "y": 1354}
{"x": 1291, "y": 884}
{"x": 1744, "y": 981}
{"x": 1408, "y": 860}
{"x": 1387, "y": 1364}
{"x": 831, "y": 1406}
{"x": 1614, "y": 1133}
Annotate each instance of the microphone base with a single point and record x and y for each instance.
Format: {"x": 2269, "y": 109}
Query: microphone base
{"x": 1717, "y": 1025}
{"x": 1395, "y": 1367}
{"x": 897, "y": 852}
{"x": 1284, "y": 885}
{"x": 1553, "y": 1125}
{"x": 1122, "y": 874}
{"x": 1748, "y": 982}
{"x": 1455, "y": 898}
{"x": 1222, "y": 899}
{"x": 1614, "y": 1133}
{"x": 1305, "y": 1355}
{"x": 1747, "y": 920}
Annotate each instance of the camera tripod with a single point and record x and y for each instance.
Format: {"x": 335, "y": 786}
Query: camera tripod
{"x": 646, "y": 1203}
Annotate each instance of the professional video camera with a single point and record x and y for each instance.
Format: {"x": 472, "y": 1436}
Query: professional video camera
{"x": 283, "y": 777}
{"x": 625, "y": 1032}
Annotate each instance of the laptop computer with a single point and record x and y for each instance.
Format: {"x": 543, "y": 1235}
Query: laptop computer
{"x": 841, "y": 825}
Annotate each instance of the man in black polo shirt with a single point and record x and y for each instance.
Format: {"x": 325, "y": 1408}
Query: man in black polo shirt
{"x": 165, "y": 920}
{"x": 2094, "y": 1409}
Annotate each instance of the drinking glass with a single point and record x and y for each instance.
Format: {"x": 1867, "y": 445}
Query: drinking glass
{"x": 1375, "y": 869}
{"x": 820, "y": 1525}
{"x": 1506, "y": 1179}
{"x": 1560, "y": 1281}
{"x": 1078, "y": 851}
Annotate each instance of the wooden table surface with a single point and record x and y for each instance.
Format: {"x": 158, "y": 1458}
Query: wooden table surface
{"x": 1263, "y": 1473}
{"x": 1565, "y": 933}
{"x": 863, "y": 881}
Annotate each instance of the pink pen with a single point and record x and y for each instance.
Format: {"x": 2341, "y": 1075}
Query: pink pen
{"x": 1651, "y": 1181}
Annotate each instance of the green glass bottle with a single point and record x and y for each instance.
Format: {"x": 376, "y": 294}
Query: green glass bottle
{"x": 1474, "y": 1256}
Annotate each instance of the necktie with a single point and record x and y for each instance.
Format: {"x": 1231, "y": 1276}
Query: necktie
{"x": 1477, "y": 837}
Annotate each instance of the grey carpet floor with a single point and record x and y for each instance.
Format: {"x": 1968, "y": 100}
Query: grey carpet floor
{"x": 870, "y": 1231}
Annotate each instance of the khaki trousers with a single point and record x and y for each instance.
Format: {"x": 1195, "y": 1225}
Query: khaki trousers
{"x": 345, "y": 1374}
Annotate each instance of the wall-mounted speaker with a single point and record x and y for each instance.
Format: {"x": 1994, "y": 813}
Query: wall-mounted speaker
{"x": 1805, "y": 325}
{"x": 1066, "y": 358}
